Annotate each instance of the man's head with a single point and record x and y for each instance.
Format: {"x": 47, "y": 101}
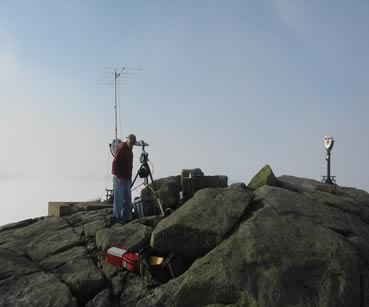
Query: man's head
{"x": 131, "y": 140}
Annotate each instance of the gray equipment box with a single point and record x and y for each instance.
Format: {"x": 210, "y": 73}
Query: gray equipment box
{"x": 145, "y": 207}
{"x": 193, "y": 180}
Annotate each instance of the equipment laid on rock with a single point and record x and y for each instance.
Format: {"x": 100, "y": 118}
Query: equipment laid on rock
{"x": 145, "y": 172}
{"x": 145, "y": 207}
{"x": 129, "y": 261}
{"x": 175, "y": 265}
{"x": 147, "y": 263}
{"x": 194, "y": 179}
{"x": 122, "y": 257}
{"x": 156, "y": 260}
{"x": 159, "y": 268}
{"x": 115, "y": 255}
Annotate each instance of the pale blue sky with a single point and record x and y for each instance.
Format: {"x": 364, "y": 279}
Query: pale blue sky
{"x": 226, "y": 86}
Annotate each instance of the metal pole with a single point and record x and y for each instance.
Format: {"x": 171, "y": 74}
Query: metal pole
{"x": 115, "y": 102}
{"x": 329, "y": 166}
{"x": 328, "y": 179}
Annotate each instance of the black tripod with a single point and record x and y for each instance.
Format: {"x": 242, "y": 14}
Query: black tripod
{"x": 145, "y": 172}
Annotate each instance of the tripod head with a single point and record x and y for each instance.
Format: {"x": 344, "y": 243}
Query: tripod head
{"x": 144, "y": 171}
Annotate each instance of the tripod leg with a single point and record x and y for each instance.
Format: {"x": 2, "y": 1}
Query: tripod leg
{"x": 134, "y": 180}
{"x": 160, "y": 206}
{"x": 152, "y": 180}
{"x": 155, "y": 192}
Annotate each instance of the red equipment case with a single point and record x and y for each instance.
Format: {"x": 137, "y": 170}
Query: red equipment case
{"x": 130, "y": 261}
{"x": 115, "y": 255}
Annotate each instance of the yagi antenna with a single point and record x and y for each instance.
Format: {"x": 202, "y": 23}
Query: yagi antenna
{"x": 115, "y": 76}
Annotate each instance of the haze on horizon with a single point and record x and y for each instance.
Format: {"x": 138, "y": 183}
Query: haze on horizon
{"x": 226, "y": 86}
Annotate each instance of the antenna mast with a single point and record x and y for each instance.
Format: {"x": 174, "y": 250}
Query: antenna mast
{"x": 116, "y": 76}
{"x": 108, "y": 80}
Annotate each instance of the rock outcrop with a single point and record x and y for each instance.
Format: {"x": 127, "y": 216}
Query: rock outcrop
{"x": 264, "y": 177}
{"x": 283, "y": 241}
{"x": 201, "y": 223}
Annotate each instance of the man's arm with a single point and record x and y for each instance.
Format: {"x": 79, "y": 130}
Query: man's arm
{"x": 120, "y": 163}
{"x": 116, "y": 166}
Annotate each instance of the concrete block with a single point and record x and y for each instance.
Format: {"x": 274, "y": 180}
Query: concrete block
{"x": 192, "y": 185}
{"x": 95, "y": 206}
{"x": 59, "y": 208}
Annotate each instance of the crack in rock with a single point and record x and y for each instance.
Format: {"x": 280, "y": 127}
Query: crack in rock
{"x": 71, "y": 226}
{"x": 247, "y": 215}
{"x": 70, "y": 287}
{"x": 96, "y": 262}
{"x": 342, "y": 232}
{"x": 362, "y": 302}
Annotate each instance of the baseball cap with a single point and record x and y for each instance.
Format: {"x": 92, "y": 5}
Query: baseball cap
{"x": 132, "y": 139}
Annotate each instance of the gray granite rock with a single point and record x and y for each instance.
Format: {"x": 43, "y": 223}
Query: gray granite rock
{"x": 201, "y": 223}
{"x": 83, "y": 277}
{"x": 292, "y": 242}
{"x": 132, "y": 235}
{"x": 91, "y": 228}
{"x": 118, "y": 282}
{"x": 20, "y": 224}
{"x": 134, "y": 289}
{"x": 292, "y": 251}
{"x": 37, "y": 289}
{"x": 12, "y": 264}
{"x": 103, "y": 299}
{"x": 264, "y": 177}
{"x": 41, "y": 239}
{"x": 54, "y": 261}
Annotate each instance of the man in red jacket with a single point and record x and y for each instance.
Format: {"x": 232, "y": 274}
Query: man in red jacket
{"x": 122, "y": 178}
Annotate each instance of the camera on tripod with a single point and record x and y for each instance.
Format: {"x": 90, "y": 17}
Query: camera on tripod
{"x": 151, "y": 204}
{"x": 144, "y": 157}
{"x": 144, "y": 170}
